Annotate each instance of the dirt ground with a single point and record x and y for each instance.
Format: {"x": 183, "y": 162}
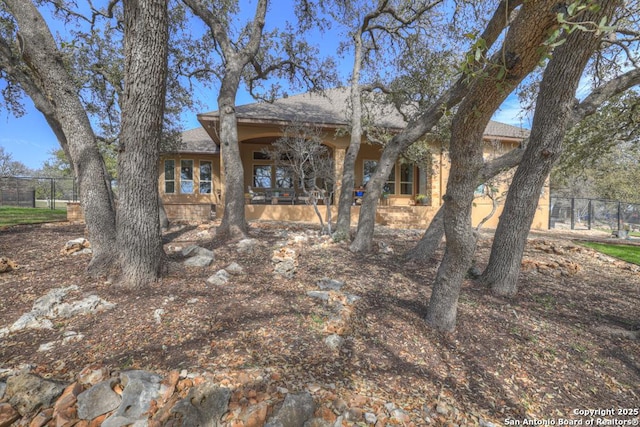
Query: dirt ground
{"x": 567, "y": 342}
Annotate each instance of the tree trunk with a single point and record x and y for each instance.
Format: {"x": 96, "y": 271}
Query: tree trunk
{"x": 139, "y": 236}
{"x": 343, "y": 224}
{"x": 523, "y": 48}
{"x": 41, "y": 55}
{"x": 416, "y": 129}
{"x": 236, "y": 56}
{"x": 428, "y": 244}
{"x": 550, "y": 123}
{"x": 234, "y": 224}
{"x": 432, "y": 237}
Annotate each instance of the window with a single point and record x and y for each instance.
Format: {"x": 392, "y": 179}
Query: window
{"x": 283, "y": 178}
{"x": 169, "y": 176}
{"x": 186, "y": 176}
{"x": 368, "y": 170}
{"x": 262, "y": 176}
{"x": 406, "y": 179}
{"x": 205, "y": 177}
{"x": 260, "y": 155}
{"x": 390, "y": 186}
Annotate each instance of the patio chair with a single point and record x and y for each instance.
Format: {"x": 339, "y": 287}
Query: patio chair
{"x": 256, "y": 197}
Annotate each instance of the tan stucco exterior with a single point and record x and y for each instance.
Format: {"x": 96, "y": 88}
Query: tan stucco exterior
{"x": 395, "y": 210}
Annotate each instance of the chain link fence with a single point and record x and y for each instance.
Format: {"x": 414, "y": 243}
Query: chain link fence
{"x": 599, "y": 214}
{"x": 53, "y": 193}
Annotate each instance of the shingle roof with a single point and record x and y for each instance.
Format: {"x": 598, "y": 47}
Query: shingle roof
{"x": 502, "y": 129}
{"x": 197, "y": 141}
{"x": 329, "y": 108}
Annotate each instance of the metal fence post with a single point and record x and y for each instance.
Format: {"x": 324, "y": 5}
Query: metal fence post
{"x": 589, "y": 208}
{"x": 573, "y": 213}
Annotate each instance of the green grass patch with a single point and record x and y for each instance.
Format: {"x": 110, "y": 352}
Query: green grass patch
{"x": 10, "y": 215}
{"x": 627, "y": 253}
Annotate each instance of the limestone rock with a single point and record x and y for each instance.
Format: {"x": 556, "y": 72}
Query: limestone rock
{"x": 3, "y": 387}
{"x": 7, "y": 264}
{"x": 234, "y": 269}
{"x": 48, "y": 346}
{"x": 219, "y": 279}
{"x": 140, "y": 388}
{"x": 71, "y": 336}
{"x": 75, "y": 245}
{"x": 255, "y": 415}
{"x": 7, "y": 415}
{"x": 286, "y": 268}
{"x": 157, "y": 315}
{"x": 331, "y": 284}
{"x": 30, "y": 321}
{"x": 98, "y": 400}
{"x": 42, "y": 418}
{"x": 27, "y": 393}
{"x": 90, "y": 304}
{"x": 51, "y": 306}
{"x": 195, "y": 250}
{"x": 323, "y": 295}
{"x": 284, "y": 254}
{"x": 246, "y": 245}
{"x": 92, "y": 375}
{"x": 198, "y": 261}
{"x": 370, "y": 418}
{"x": 294, "y": 412}
{"x": 334, "y": 341}
{"x": 85, "y": 251}
{"x": 204, "y": 406}
{"x": 45, "y": 305}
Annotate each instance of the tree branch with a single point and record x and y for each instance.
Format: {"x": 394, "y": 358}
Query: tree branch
{"x": 599, "y": 95}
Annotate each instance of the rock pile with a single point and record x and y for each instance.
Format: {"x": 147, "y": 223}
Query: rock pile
{"x": 52, "y": 306}
{"x": 340, "y": 305}
{"x": 141, "y": 398}
{"x": 556, "y": 265}
{"x": 285, "y": 261}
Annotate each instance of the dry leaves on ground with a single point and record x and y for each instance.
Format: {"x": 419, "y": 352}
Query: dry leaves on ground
{"x": 554, "y": 348}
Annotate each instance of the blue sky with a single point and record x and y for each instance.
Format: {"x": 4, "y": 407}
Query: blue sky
{"x": 30, "y": 140}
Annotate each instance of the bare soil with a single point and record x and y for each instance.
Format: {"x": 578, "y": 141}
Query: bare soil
{"x": 564, "y": 343}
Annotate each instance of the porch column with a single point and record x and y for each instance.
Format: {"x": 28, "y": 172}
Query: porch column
{"x": 439, "y": 178}
{"x": 338, "y": 165}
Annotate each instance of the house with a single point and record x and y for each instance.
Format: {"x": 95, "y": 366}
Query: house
{"x": 191, "y": 177}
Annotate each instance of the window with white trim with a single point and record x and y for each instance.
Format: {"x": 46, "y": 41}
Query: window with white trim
{"x": 406, "y": 178}
{"x": 262, "y": 176}
{"x": 205, "y": 177}
{"x": 186, "y": 176}
{"x": 169, "y": 176}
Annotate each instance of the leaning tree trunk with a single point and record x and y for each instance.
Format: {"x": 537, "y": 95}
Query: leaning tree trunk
{"x": 416, "y": 129}
{"x": 428, "y": 244}
{"x": 523, "y": 48}
{"x": 46, "y": 65}
{"x": 139, "y": 237}
{"x": 551, "y": 120}
{"x": 432, "y": 237}
{"x": 343, "y": 224}
{"x": 233, "y": 223}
